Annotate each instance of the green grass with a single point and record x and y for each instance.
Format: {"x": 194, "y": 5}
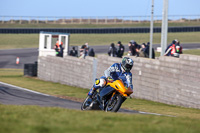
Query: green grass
{"x": 15, "y": 77}
{"x": 33, "y": 119}
{"x": 11, "y": 41}
{"x": 192, "y": 51}
{"x": 52, "y": 119}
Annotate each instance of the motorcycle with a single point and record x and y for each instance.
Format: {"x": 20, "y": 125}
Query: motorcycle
{"x": 108, "y": 98}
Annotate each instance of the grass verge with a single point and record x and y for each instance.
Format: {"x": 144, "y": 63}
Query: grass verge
{"x": 11, "y": 41}
{"x": 44, "y": 119}
{"x": 192, "y": 51}
{"x": 34, "y": 119}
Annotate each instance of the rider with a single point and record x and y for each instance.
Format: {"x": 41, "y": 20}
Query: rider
{"x": 113, "y": 73}
{"x": 173, "y": 49}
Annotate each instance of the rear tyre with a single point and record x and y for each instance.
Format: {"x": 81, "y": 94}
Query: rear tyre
{"x": 115, "y": 104}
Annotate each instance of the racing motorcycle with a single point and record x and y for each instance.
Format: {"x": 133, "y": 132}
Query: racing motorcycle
{"x": 108, "y": 98}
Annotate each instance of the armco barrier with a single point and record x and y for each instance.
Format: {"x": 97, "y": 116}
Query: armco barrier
{"x": 96, "y": 30}
{"x": 167, "y": 79}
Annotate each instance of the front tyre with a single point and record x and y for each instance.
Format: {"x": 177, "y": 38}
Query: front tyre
{"x": 114, "y": 104}
{"x": 86, "y": 105}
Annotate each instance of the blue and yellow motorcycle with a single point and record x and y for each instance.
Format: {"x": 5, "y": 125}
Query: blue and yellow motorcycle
{"x": 108, "y": 98}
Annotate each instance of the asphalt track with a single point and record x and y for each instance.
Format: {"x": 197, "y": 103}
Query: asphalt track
{"x": 30, "y": 55}
{"x": 13, "y": 95}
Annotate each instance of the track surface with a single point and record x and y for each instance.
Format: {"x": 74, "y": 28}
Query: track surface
{"x": 30, "y": 55}
{"x": 13, "y": 95}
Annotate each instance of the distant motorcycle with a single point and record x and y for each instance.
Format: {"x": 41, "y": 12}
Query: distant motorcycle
{"x": 109, "y": 98}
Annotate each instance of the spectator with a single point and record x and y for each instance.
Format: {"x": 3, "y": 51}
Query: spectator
{"x": 132, "y": 50}
{"x": 56, "y": 47}
{"x": 137, "y": 46}
{"x": 112, "y": 50}
{"x": 73, "y": 52}
{"x": 147, "y": 51}
{"x": 91, "y": 52}
{"x": 82, "y": 47}
{"x": 84, "y": 50}
{"x": 61, "y": 50}
{"x": 120, "y": 51}
{"x": 141, "y": 51}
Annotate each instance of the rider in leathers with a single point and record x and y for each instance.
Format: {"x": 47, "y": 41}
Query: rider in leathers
{"x": 113, "y": 73}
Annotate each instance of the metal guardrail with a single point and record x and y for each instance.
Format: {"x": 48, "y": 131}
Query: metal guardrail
{"x": 97, "y": 30}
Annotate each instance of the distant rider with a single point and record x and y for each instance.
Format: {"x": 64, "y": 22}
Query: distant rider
{"x": 174, "y": 49}
{"x": 113, "y": 73}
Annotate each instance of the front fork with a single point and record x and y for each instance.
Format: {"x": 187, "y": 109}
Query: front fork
{"x": 102, "y": 103}
{"x": 112, "y": 96}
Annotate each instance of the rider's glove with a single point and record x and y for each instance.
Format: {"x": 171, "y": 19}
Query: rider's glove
{"x": 110, "y": 79}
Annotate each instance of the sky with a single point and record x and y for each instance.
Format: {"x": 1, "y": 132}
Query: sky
{"x": 91, "y": 8}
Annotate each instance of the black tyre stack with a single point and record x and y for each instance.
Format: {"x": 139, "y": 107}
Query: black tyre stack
{"x": 30, "y": 69}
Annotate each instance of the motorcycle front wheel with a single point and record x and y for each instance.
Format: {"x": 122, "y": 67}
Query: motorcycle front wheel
{"x": 86, "y": 104}
{"x": 114, "y": 104}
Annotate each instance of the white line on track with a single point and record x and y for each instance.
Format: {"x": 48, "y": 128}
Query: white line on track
{"x": 20, "y": 88}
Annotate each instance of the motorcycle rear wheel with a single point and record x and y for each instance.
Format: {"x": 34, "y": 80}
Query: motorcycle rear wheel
{"x": 115, "y": 104}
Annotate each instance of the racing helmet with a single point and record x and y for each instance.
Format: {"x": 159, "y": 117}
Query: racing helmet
{"x": 127, "y": 64}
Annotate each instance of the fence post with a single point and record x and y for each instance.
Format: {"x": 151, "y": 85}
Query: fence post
{"x": 2, "y": 20}
{"x": 139, "y": 19}
{"x": 46, "y": 20}
{"x": 54, "y": 20}
{"x": 72, "y": 20}
{"x": 11, "y": 20}
{"x": 29, "y": 20}
{"x": 80, "y": 20}
{"x": 20, "y": 21}
{"x": 63, "y": 20}
{"x": 131, "y": 19}
{"x": 37, "y": 20}
{"x": 97, "y": 20}
{"x": 89, "y": 20}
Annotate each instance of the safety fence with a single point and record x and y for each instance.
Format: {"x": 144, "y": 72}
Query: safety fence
{"x": 97, "y": 30}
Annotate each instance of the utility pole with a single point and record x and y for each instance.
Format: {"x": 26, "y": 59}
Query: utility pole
{"x": 164, "y": 27}
{"x": 151, "y": 30}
